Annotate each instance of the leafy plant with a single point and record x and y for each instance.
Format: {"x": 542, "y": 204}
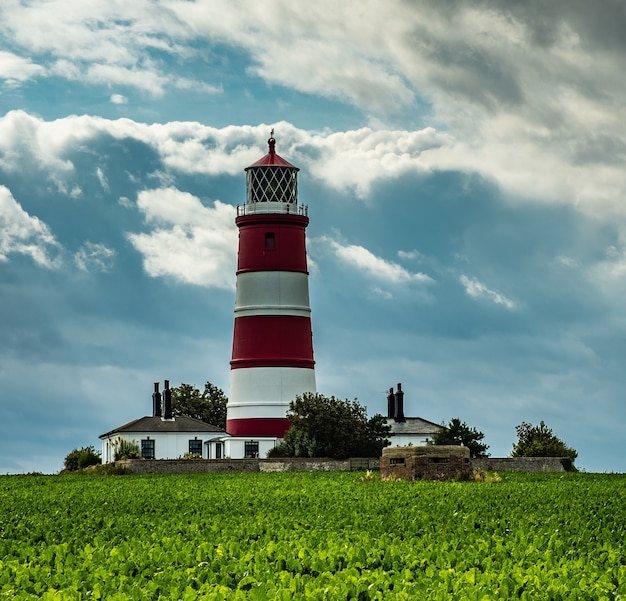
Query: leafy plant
{"x": 192, "y": 456}
{"x": 258, "y": 536}
{"x": 125, "y": 449}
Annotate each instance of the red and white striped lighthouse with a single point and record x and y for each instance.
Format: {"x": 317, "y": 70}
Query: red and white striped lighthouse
{"x": 272, "y": 358}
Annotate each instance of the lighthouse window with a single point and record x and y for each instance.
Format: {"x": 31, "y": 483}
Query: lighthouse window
{"x": 270, "y": 240}
{"x": 251, "y": 449}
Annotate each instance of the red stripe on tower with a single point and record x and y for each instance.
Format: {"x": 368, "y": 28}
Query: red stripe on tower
{"x": 272, "y": 360}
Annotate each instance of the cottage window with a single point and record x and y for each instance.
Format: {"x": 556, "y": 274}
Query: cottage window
{"x": 195, "y": 446}
{"x": 147, "y": 449}
{"x": 251, "y": 449}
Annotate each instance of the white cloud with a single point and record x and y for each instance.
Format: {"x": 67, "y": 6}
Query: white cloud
{"x": 102, "y": 179}
{"x": 529, "y": 97}
{"x": 15, "y": 69}
{"x": 144, "y": 79}
{"x": 118, "y": 99}
{"x": 191, "y": 243}
{"x": 410, "y": 254}
{"x": 21, "y": 233}
{"x": 352, "y": 161}
{"x": 477, "y": 290}
{"x": 380, "y": 293}
{"x": 94, "y": 257}
{"x": 363, "y": 260}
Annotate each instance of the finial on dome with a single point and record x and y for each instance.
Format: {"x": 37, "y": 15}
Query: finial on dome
{"x": 272, "y": 142}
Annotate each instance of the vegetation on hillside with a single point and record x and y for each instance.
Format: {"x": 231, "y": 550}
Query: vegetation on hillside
{"x": 312, "y": 536}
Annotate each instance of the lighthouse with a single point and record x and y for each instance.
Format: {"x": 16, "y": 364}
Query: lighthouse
{"x": 272, "y": 355}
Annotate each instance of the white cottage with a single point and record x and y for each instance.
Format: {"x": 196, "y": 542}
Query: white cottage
{"x": 163, "y": 436}
{"x": 160, "y": 438}
{"x": 407, "y": 431}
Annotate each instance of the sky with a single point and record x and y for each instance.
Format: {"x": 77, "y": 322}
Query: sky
{"x": 463, "y": 165}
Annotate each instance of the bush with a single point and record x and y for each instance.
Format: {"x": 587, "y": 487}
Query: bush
{"x": 192, "y": 456}
{"x": 540, "y": 441}
{"x": 126, "y": 449}
{"x": 457, "y": 433}
{"x": 81, "y": 458}
{"x": 324, "y": 426}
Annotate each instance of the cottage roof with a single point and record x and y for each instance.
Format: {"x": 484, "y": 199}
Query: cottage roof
{"x": 158, "y": 425}
{"x": 413, "y": 425}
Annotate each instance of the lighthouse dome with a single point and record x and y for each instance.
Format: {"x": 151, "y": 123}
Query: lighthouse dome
{"x": 272, "y": 184}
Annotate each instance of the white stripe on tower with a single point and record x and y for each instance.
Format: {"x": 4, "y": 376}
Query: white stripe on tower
{"x": 272, "y": 360}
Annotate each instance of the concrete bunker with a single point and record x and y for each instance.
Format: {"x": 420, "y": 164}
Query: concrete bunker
{"x": 431, "y": 462}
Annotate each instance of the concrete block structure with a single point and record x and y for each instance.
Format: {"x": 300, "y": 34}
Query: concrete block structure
{"x": 431, "y": 462}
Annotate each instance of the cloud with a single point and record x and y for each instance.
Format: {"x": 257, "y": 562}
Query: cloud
{"x": 118, "y": 99}
{"x": 94, "y": 257}
{"x": 477, "y": 290}
{"x": 530, "y": 97}
{"x": 21, "y": 233}
{"x": 365, "y": 261}
{"x": 102, "y": 179}
{"x": 350, "y": 161}
{"x": 410, "y": 254}
{"x": 15, "y": 70}
{"x": 191, "y": 243}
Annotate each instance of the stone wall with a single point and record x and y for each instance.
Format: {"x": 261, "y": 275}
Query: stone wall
{"x": 298, "y": 464}
{"x": 191, "y": 466}
{"x": 188, "y": 466}
{"x": 518, "y": 464}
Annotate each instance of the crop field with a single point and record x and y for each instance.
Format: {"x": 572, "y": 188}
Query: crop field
{"x": 312, "y": 536}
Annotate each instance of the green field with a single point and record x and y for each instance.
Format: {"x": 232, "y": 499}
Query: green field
{"x": 312, "y": 536}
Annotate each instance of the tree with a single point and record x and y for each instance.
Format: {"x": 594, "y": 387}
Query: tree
{"x": 457, "y": 433}
{"x": 78, "y": 459}
{"x": 209, "y": 407}
{"x": 324, "y": 426}
{"x": 540, "y": 441}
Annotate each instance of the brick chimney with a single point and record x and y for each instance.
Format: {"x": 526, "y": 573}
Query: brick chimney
{"x": 167, "y": 400}
{"x": 391, "y": 404}
{"x": 156, "y": 401}
{"x": 399, "y": 406}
